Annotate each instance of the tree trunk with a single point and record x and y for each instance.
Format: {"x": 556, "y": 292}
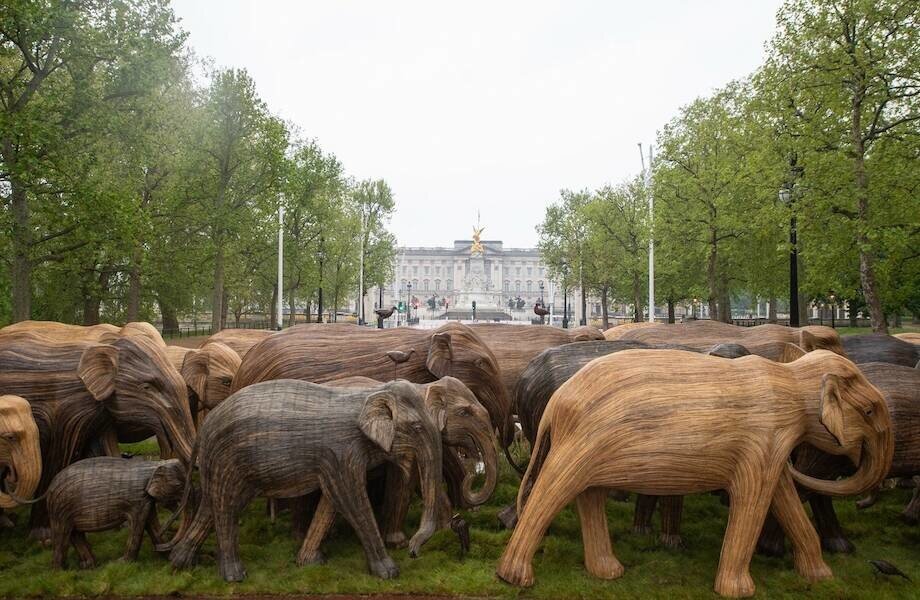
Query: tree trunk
{"x": 309, "y": 311}
{"x": 133, "y": 300}
{"x": 224, "y": 303}
{"x": 217, "y": 296}
{"x": 22, "y": 245}
{"x": 863, "y": 243}
{"x": 725, "y": 304}
{"x": 168, "y": 313}
{"x": 712, "y": 279}
{"x": 771, "y": 310}
{"x": 670, "y": 310}
{"x": 605, "y": 314}
{"x": 853, "y": 313}
{"x": 292, "y": 318}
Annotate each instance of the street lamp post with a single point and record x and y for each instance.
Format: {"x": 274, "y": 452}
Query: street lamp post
{"x": 785, "y": 196}
{"x": 364, "y": 217}
{"x": 409, "y": 303}
{"x": 833, "y": 303}
{"x": 542, "y": 317}
{"x": 280, "y": 268}
{"x": 565, "y": 295}
{"x": 380, "y": 306}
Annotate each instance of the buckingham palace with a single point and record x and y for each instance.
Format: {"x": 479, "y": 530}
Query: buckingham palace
{"x": 504, "y": 283}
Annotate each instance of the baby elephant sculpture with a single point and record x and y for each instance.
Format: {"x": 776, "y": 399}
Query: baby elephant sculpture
{"x": 666, "y": 422}
{"x": 20, "y": 454}
{"x": 98, "y": 494}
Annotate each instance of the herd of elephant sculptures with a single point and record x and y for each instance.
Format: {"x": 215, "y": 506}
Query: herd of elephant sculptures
{"x": 339, "y": 419}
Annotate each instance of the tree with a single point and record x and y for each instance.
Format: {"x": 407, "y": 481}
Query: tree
{"x": 375, "y": 205}
{"x": 562, "y": 238}
{"x": 851, "y": 70}
{"x": 64, "y": 67}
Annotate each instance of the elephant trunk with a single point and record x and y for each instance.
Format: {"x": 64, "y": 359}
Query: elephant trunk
{"x": 20, "y": 474}
{"x": 430, "y": 476}
{"x": 484, "y": 446}
{"x": 874, "y": 464}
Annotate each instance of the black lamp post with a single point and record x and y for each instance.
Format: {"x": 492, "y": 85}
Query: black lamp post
{"x": 542, "y": 317}
{"x": 409, "y": 303}
{"x": 786, "y": 197}
{"x": 833, "y": 303}
{"x": 565, "y": 296}
{"x": 380, "y": 306}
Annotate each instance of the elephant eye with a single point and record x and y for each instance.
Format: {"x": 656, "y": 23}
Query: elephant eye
{"x": 869, "y": 412}
{"x": 464, "y": 412}
{"x": 225, "y": 381}
{"x": 417, "y": 426}
{"x": 9, "y": 436}
{"x": 147, "y": 386}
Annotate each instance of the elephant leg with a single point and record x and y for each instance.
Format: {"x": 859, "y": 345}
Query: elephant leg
{"x": 302, "y": 510}
{"x": 642, "y": 517}
{"x": 322, "y": 522}
{"x": 599, "y": 558}
{"x": 227, "y": 509}
{"x": 183, "y": 554}
{"x": 396, "y": 498}
{"x": 557, "y": 484}
{"x": 869, "y": 500}
{"x": 672, "y": 509}
{"x": 749, "y": 502}
{"x": 347, "y": 491}
{"x": 772, "y": 541}
{"x": 806, "y": 547}
{"x": 833, "y": 539}
{"x": 152, "y": 526}
{"x": 136, "y": 524}
{"x": 84, "y": 551}
{"x": 60, "y": 544}
{"x": 911, "y": 512}
{"x": 40, "y": 523}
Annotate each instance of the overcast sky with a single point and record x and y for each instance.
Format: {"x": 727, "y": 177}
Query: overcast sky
{"x": 481, "y": 106}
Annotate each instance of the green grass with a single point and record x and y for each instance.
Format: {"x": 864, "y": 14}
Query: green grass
{"x": 651, "y": 571}
{"x": 861, "y": 330}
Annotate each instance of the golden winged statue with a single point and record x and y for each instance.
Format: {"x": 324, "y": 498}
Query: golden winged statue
{"x": 476, "y": 247}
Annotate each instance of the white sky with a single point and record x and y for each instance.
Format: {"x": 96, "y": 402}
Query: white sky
{"x": 489, "y": 106}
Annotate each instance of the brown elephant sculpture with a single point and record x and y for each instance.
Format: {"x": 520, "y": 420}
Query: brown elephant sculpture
{"x": 240, "y": 340}
{"x": 80, "y": 392}
{"x": 704, "y": 334}
{"x": 514, "y": 346}
{"x": 900, "y": 386}
{"x": 20, "y": 454}
{"x": 208, "y": 372}
{"x": 65, "y": 332}
{"x": 321, "y": 353}
{"x": 667, "y": 422}
{"x": 99, "y": 494}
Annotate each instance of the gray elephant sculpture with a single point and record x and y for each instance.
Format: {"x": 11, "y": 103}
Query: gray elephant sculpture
{"x": 287, "y": 438}
{"x": 98, "y": 494}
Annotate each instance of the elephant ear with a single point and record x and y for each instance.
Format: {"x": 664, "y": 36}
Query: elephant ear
{"x": 378, "y": 418}
{"x": 436, "y": 404}
{"x": 440, "y": 355}
{"x": 194, "y": 371}
{"x": 791, "y": 353}
{"x": 808, "y": 341}
{"x": 97, "y": 369}
{"x": 832, "y": 407}
{"x": 159, "y": 485}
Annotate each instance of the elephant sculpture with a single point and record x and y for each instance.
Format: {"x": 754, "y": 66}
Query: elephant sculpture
{"x": 910, "y": 336}
{"x": 467, "y": 429}
{"x": 208, "y": 372}
{"x": 289, "y": 438}
{"x": 514, "y": 346}
{"x": 65, "y": 332}
{"x": 20, "y": 454}
{"x": 239, "y": 340}
{"x": 321, "y": 353}
{"x": 667, "y": 422}
{"x": 900, "y": 386}
{"x": 880, "y": 347}
{"x": 80, "y": 392}
{"x": 704, "y": 334}
{"x": 99, "y": 494}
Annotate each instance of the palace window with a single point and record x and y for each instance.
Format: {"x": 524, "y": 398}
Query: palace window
{"x": 426, "y": 285}
{"x": 437, "y": 284}
{"x": 427, "y": 270}
{"x": 529, "y": 271}
{"x": 415, "y": 270}
{"x": 450, "y": 284}
{"x": 529, "y": 286}
{"x": 517, "y": 285}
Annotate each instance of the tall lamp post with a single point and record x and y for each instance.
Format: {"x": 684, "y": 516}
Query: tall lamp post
{"x": 380, "y": 306}
{"x": 409, "y": 303}
{"x": 786, "y": 197}
{"x": 565, "y": 295}
{"x": 280, "y": 268}
{"x": 832, "y": 300}
{"x": 542, "y": 317}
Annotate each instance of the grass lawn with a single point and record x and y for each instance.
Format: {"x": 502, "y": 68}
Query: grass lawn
{"x": 651, "y": 571}
{"x": 861, "y": 330}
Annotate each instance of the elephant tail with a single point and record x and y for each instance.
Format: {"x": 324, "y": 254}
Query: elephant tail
{"x": 520, "y": 468}
{"x": 184, "y": 507}
{"x": 537, "y": 458}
